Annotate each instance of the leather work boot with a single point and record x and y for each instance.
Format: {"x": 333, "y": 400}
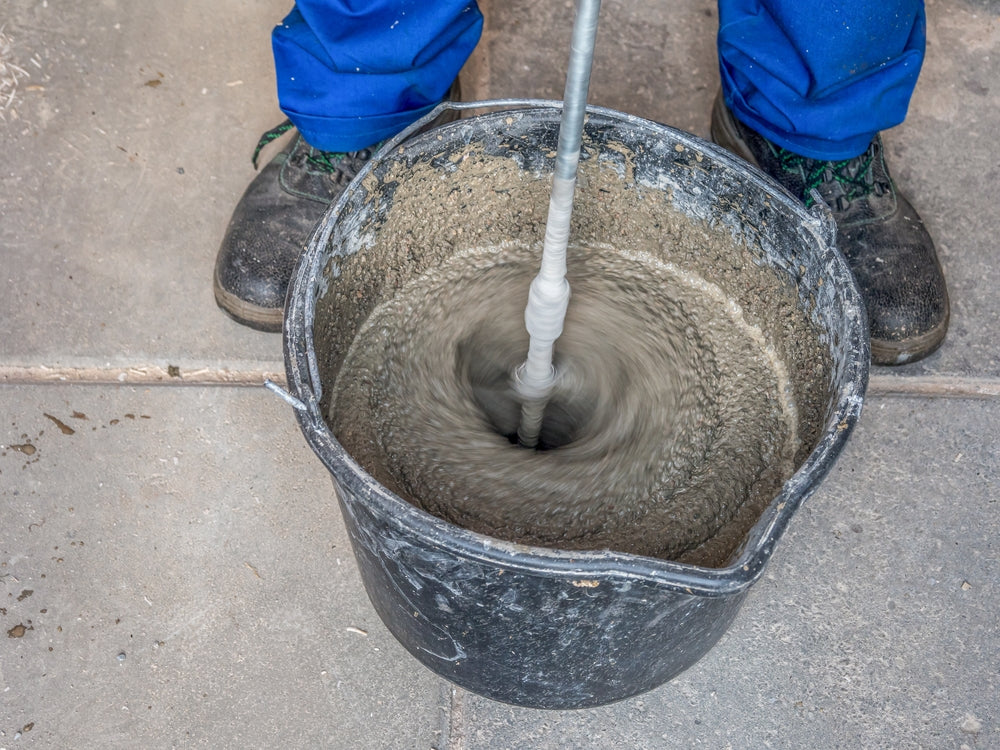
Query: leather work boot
{"x": 880, "y": 234}
{"x": 273, "y": 220}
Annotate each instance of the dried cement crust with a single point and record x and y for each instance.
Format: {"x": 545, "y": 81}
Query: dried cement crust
{"x": 692, "y": 386}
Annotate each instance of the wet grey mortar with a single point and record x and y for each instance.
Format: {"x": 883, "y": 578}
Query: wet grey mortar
{"x": 691, "y": 384}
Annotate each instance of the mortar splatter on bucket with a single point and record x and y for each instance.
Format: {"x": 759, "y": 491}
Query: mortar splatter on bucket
{"x": 612, "y": 603}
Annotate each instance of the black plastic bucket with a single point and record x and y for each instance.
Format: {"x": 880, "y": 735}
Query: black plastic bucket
{"x": 546, "y": 627}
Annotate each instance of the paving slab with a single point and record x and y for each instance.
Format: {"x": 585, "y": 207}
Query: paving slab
{"x": 875, "y": 625}
{"x": 125, "y": 152}
{"x": 174, "y": 572}
{"x": 651, "y": 59}
{"x": 945, "y": 157}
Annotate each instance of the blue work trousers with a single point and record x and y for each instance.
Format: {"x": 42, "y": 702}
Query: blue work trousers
{"x": 354, "y": 72}
{"x": 819, "y": 79}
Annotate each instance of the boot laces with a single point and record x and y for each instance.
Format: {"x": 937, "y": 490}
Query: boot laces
{"x": 330, "y": 162}
{"x": 854, "y": 176}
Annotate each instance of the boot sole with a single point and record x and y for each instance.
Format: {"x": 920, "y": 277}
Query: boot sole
{"x": 884, "y": 352}
{"x": 266, "y": 319}
{"x": 900, "y": 353}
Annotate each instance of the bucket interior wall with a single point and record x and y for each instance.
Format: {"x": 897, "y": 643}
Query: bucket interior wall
{"x": 483, "y": 183}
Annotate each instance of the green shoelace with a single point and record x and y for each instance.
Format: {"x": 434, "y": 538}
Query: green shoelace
{"x": 327, "y": 161}
{"x": 852, "y": 174}
{"x": 271, "y": 135}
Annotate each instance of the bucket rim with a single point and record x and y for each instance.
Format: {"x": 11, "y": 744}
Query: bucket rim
{"x": 305, "y": 386}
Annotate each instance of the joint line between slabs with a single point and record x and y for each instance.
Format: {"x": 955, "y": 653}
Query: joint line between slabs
{"x": 146, "y": 375}
{"x": 934, "y": 386}
{"x": 456, "y": 720}
{"x": 929, "y": 386}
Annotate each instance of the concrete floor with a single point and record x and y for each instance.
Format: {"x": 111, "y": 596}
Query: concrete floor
{"x": 175, "y": 570}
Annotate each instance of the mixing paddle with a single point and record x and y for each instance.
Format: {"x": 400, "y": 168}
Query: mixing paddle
{"x": 548, "y": 295}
